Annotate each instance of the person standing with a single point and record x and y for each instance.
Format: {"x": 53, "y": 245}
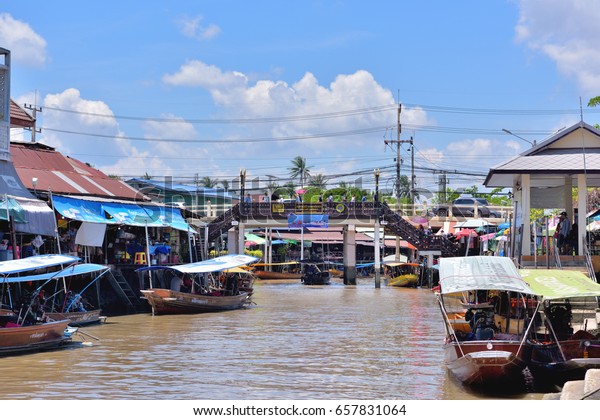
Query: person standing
{"x": 564, "y": 229}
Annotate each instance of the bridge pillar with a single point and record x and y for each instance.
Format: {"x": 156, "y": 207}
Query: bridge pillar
{"x": 349, "y": 255}
{"x": 241, "y": 233}
{"x": 232, "y": 241}
{"x": 377, "y": 250}
{"x": 236, "y": 239}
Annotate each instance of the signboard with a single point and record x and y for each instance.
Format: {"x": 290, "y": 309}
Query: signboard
{"x": 309, "y": 208}
{"x": 308, "y": 220}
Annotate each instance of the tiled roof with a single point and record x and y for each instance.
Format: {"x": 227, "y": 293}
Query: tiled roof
{"x": 571, "y": 161}
{"x": 571, "y": 151}
{"x": 19, "y": 117}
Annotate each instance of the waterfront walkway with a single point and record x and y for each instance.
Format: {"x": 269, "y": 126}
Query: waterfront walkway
{"x": 586, "y": 389}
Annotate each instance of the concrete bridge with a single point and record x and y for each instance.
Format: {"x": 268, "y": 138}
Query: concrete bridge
{"x": 347, "y": 215}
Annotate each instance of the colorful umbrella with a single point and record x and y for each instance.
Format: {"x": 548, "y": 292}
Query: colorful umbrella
{"x": 466, "y": 232}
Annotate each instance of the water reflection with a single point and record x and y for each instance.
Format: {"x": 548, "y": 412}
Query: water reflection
{"x": 297, "y": 342}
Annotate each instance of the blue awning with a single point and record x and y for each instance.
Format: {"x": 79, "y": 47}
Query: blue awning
{"x": 131, "y": 214}
{"x": 147, "y": 215}
{"x": 82, "y": 210}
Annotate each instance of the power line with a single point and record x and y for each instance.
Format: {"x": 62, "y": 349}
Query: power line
{"x": 338, "y": 114}
{"x": 262, "y": 120}
{"x": 247, "y": 140}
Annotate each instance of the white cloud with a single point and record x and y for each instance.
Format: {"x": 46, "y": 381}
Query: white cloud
{"x": 192, "y": 27}
{"x": 26, "y": 46}
{"x": 67, "y": 116}
{"x": 195, "y": 73}
{"x": 567, "y": 32}
{"x": 239, "y": 97}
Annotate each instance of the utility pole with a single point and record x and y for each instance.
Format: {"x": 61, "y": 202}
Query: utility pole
{"x": 443, "y": 181}
{"x": 35, "y": 109}
{"x": 398, "y": 142}
{"x": 412, "y": 173}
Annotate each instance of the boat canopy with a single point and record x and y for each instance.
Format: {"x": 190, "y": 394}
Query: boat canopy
{"x": 461, "y": 274}
{"x": 560, "y": 284}
{"x": 221, "y": 263}
{"x": 36, "y": 262}
{"x": 73, "y": 270}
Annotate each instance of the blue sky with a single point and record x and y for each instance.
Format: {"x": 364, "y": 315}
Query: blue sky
{"x": 206, "y": 88}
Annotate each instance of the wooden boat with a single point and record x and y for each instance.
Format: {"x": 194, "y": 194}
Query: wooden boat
{"x": 487, "y": 355}
{"x": 63, "y": 303}
{"x": 402, "y": 274}
{"x": 79, "y": 319}
{"x": 286, "y": 272}
{"x": 15, "y": 338}
{"x": 22, "y": 329}
{"x": 563, "y": 350}
{"x": 211, "y": 288}
{"x": 315, "y": 274}
{"x": 164, "y": 301}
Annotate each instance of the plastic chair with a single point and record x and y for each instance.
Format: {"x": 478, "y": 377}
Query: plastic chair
{"x": 140, "y": 258}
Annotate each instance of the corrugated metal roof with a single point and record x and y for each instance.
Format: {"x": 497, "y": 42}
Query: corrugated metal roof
{"x": 207, "y": 192}
{"x": 65, "y": 175}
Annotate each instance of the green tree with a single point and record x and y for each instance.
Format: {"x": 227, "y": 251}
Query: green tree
{"x": 318, "y": 181}
{"x": 299, "y": 169}
{"x": 289, "y": 189}
{"x": 592, "y": 103}
{"x": 208, "y": 182}
{"x": 225, "y": 184}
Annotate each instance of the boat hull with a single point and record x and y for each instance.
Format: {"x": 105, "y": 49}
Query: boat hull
{"x": 165, "y": 301}
{"x": 33, "y": 337}
{"x": 77, "y": 319}
{"x": 487, "y": 362}
{"x": 274, "y": 275}
{"x": 405, "y": 280}
{"x": 317, "y": 279}
{"x": 548, "y": 364}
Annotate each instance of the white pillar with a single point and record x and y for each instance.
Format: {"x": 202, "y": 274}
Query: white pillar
{"x": 350, "y": 254}
{"x": 582, "y": 211}
{"x": 377, "y": 254}
{"x": 526, "y": 212}
{"x": 241, "y": 233}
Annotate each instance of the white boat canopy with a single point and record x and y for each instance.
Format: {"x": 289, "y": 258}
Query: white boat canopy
{"x": 461, "y": 274}
{"x": 33, "y": 263}
{"x": 221, "y": 263}
{"x": 560, "y": 284}
{"x": 73, "y": 270}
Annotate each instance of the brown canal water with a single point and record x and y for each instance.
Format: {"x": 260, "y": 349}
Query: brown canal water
{"x": 297, "y": 343}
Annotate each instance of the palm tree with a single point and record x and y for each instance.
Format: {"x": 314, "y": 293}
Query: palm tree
{"x": 318, "y": 181}
{"x": 225, "y": 184}
{"x": 208, "y": 182}
{"x": 299, "y": 169}
{"x": 289, "y": 189}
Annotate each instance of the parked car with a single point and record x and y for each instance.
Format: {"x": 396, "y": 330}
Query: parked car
{"x": 465, "y": 207}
